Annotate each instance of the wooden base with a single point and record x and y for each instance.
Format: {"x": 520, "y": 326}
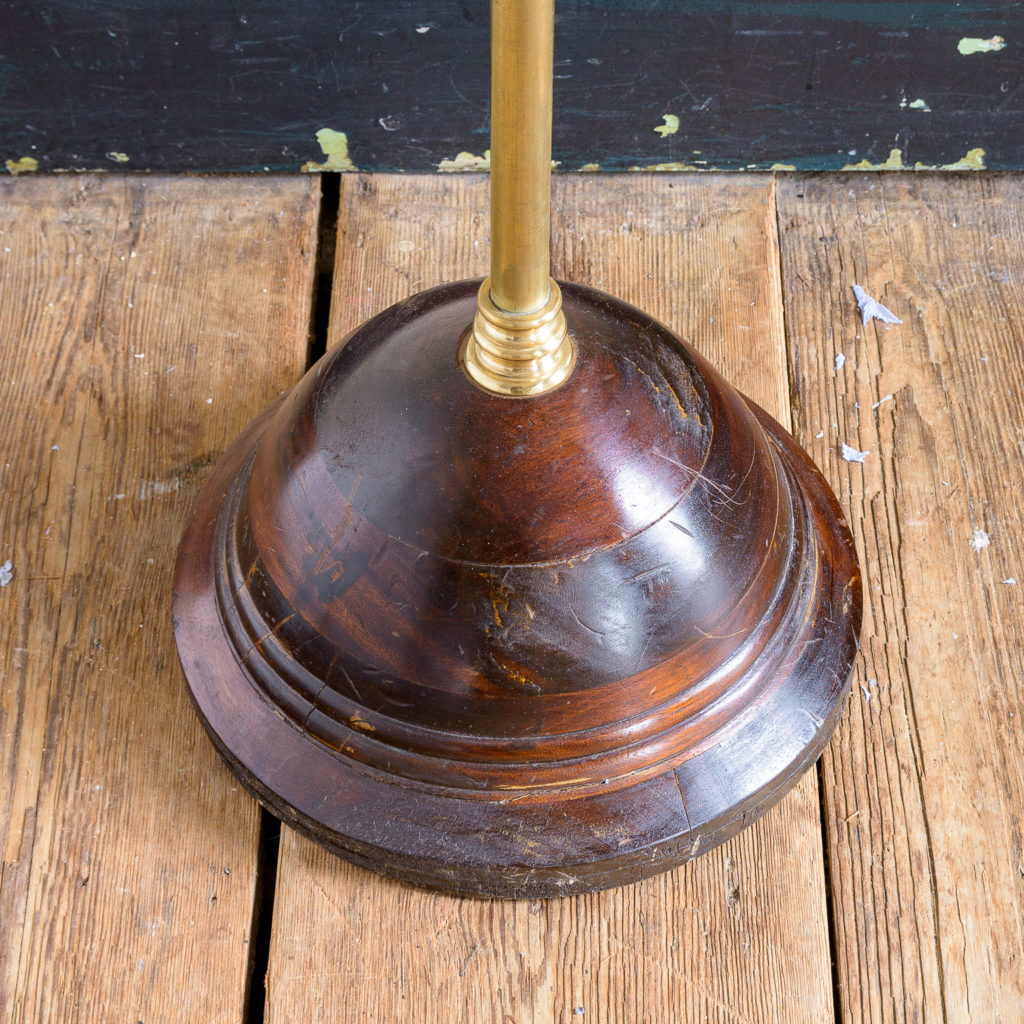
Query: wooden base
{"x": 517, "y": 647}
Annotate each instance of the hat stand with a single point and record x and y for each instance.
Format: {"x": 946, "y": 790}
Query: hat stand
{"x": 513, "y": 595}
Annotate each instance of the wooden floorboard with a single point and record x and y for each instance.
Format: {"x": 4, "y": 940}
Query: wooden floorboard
{"x": 142, "y": 322}
{"x": 739, "y": 935}
{"x": 924, "y": 783}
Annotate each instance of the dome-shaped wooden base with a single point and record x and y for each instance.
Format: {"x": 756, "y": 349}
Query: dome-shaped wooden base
{"x": 517, "y": 647}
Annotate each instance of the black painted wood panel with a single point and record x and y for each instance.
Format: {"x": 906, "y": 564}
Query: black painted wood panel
{"x": 194, "y": 85}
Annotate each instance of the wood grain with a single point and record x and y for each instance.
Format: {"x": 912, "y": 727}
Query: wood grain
{"x": 925, "y": 778}
{"x": 144, "y": 322}
{"x": 739, "y": 934}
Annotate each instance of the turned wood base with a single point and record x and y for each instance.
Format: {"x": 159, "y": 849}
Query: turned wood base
{"x": 517, "y": 647}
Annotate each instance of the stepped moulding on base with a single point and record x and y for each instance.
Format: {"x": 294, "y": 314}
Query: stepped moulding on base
{"x": 517, "y": 647}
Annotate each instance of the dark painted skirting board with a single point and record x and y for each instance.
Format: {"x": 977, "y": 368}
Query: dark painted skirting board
{"x": 190, "y": 85}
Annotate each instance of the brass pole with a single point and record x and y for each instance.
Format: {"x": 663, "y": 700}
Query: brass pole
{"x": 520, "y": 344}
{"x": 522, "y": 55}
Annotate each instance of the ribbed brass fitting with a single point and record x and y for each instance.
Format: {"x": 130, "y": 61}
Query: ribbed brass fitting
{"x": 519, "y": 354}
{"x": 519, "y": 344}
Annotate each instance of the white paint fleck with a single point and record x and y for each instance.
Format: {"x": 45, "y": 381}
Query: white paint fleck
{"x": 1010, "y": 581}
{"x": 54, "y": 447}
{"x": 979, "y": 540}
{"x": 425, "y": 28}
{"x": 852, "y": 455}
{"x": 872, "y": 309}
{"x": 884, "y": 398}
{"x": 820, "y": 434}
{"x": 139, "y": 355}
{"x": 970, "y": 44}
{"x": 6, "y": 573}
{"x": 840, "y": 362}
{"x": 149, "y": 488}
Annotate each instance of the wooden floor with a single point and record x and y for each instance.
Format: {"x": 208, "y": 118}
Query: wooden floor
{"x": 144, "y": 320}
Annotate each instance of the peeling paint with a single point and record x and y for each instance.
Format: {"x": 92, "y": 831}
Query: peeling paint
{"x": 471, "y": 162}
{"x": 335, "y": 149}
{"x": 669, "y": 167}
{"x": 782, "y": 167}
{"x": 670, "y": 127}
{"x": 466, "y": 162}
{"x": 969, "y": 45}
{"x": 917, "y": 104}
{"x": 25, "y": 165}
{"x": 118, "y": 158}
{"x": 591, "y": 167}
{"x": 894, "y": 163}
{"x": 973, "y": 160}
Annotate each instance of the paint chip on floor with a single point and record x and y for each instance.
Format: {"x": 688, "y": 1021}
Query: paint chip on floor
{"x": 872, "y": 309}
{"x": 840, "y": 362}
{"x": 1010, "y": 581}
{"x": 980, "y": 540}
{"x": 6, "y": 573}
{"x": 852, "y": 454}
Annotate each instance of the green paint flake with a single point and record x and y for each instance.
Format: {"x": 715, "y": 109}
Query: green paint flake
{"x": 26, "y": 165}
{"x": 968, "y": 46}
{"x": 917, "y": 104}
{"x": 335, "y": 149}
{"x": 670, "y": 127}
{"x": 782, "y": 167}
{"x": 118, "y": 158}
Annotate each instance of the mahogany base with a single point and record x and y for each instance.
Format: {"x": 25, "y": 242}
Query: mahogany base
{"x": 517, "y": 647}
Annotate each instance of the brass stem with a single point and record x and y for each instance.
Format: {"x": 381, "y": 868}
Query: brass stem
{"x": 520, "y": 343}
{"x": 522, "y": 55}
